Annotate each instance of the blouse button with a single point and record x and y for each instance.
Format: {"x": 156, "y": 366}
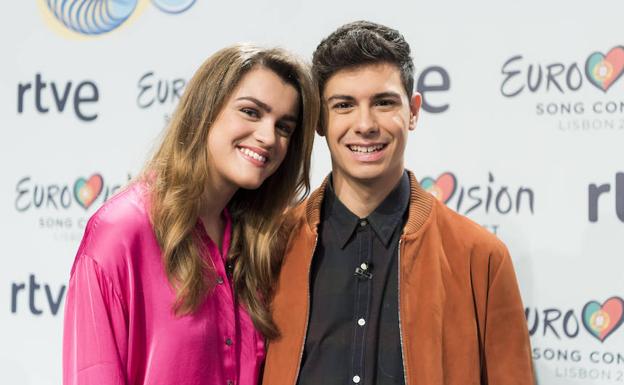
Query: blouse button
{"x": 228, "y": 342}
{"x": 220, "y": 280}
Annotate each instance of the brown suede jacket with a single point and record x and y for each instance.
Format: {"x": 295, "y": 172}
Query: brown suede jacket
{"x": 460, "y": 314}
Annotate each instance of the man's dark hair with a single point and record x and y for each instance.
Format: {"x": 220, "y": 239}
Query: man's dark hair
{"x": 360, "y": 43}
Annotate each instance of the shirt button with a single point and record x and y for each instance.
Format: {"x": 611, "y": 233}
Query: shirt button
{"x": 364, "y": 266}
{"x": 220, "y": 280}
{"x": 363, "y": 222}
{"x": 361, "y": 322}
{"x": 356, "y": 379}
{"x": 230, "y": 382}
{"x": 228, "y": 342}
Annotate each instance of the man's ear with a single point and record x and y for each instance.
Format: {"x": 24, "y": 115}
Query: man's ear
{"x": 415, "y": 103}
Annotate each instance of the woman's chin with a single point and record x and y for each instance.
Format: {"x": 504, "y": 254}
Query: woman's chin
{"x": 249, "y": 183}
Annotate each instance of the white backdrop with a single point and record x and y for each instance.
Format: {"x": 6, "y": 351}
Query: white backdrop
{"x": 79, "y": 114}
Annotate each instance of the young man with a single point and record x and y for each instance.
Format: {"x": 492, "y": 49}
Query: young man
{"x": 381, "y": 283}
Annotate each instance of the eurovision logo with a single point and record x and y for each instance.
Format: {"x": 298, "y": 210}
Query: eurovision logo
{"x": 442, "y": 188}
{"x": 86, "y": 191}
{"x": 83, "y": 191}
{"x": 480, "y": 197}
{"x": 601, "y": 320}
{"x": 603, "y": 70}
{"x": 62, "y": 209}
{"x": 600, "y": 70}
{"x": 97, "y": 17}
{"x": 486, "y": 196}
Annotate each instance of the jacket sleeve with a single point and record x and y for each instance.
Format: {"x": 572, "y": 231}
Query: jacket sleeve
{"x": 507, "y": 350}
{"x": 95, "y": 329}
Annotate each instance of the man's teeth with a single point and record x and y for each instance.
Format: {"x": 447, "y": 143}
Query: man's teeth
{"x": 252, "y": 154}
{"x": 366, "y": 149}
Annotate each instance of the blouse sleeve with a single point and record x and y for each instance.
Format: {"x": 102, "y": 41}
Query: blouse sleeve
{"x": 95, "y": 336}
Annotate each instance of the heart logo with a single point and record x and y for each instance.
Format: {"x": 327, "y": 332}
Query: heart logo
{"x": 442, "y": 188}
{"x": 87, "y": 191}
{"x": 602, "y": 71}
{"x": 602, "y": 320}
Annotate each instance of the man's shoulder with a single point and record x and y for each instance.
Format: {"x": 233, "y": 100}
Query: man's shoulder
{"x": 466, "y": 234}
{"x": 295, "y": 218}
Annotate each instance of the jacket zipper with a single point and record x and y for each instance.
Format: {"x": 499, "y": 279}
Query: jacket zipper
{"x": 399, "y": 307}
{"x": 305, "y": 333}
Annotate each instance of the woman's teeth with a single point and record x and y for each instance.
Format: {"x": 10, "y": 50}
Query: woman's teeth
{"x": 252, "y": 154}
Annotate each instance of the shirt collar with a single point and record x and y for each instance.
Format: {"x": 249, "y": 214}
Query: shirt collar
{"x": 388, "y": 216}
{"x": 338, "y": 216}
{"x": 384, "y": 220}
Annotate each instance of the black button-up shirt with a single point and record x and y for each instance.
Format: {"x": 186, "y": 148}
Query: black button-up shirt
{"x": 353, "y": 334}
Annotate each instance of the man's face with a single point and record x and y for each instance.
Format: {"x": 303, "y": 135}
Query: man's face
{"x": 367, "y": 117}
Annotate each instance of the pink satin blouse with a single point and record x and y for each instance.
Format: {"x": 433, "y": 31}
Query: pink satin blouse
{"x": 119, "y": 326}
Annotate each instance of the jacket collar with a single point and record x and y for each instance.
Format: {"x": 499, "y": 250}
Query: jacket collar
{"x": 420, "y": 206}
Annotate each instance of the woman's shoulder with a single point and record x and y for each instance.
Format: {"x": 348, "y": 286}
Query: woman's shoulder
{"x": 118, "y": 225}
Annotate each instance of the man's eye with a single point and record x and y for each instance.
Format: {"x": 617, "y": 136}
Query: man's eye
{"x": 386, "y": 102}
{"x": 250, "y": 112}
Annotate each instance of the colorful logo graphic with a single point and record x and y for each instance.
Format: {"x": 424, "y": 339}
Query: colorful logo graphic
{"x": 97, "y": 17}
{"x": 603, "y": 70}
{"x": 481, "y": 195}
{"x": 602, "y": 320}
{"x": 173, "y": 6}
{"x": 86, "y": 191}
{"x": 442, "y": 188}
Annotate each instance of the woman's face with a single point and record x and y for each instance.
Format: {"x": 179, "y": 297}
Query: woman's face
{"x": 249, "y": 139}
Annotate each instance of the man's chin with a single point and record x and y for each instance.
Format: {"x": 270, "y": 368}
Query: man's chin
{"x": 366, "y": 174}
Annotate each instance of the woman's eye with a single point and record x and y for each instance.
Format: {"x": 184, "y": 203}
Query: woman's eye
{"x": 285, "y": 130}
{"x": 342, "y": 105}
{"x": 250, "y": 112}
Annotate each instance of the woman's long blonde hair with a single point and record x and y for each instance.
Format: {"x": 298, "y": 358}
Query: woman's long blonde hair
{"x": 178, "y": 173}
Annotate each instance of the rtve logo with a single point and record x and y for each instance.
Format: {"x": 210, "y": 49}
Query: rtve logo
{"x": 594, "y": 192}
{"x": 51, "y": 95}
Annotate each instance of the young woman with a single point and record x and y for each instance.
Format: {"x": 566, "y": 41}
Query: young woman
{"x": 170, "y": 280}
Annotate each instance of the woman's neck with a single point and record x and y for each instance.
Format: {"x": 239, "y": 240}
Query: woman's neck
{"x": 214, "y": 202}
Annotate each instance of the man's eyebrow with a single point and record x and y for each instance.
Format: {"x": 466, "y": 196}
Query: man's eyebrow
{"x": 260, "y": 104}
{"x": 381, "y": 95}
{"x": 340, "y": 97}
{"x": 389, "y": 94}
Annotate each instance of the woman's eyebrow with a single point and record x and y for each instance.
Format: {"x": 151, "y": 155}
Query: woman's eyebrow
{"x": 260, "y": 104}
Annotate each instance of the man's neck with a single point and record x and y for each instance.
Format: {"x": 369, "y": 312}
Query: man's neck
{"x": 362, "y": 197}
